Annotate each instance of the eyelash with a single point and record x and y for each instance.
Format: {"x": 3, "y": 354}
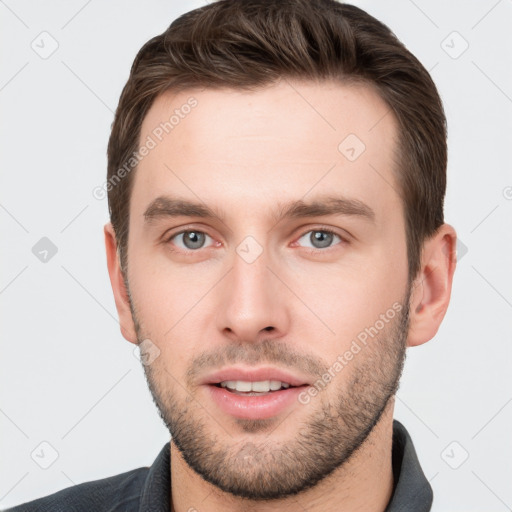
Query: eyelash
{"x": 321, "y": 229}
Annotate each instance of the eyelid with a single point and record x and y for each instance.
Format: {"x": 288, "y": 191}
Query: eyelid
{"x": 178, "y": 230}
{"x": 344, "y": 235}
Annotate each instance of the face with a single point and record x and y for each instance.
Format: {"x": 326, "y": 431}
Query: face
{"x": 267, "y": 250}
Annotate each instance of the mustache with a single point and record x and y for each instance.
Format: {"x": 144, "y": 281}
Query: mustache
{"x": 254, "y": 353}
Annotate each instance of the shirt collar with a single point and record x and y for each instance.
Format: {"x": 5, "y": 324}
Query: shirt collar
{"x": 411, "y": 491}
{"x": 156, "y": 491}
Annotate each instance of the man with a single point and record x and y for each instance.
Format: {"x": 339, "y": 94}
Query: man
{"x": 276, "y": 177}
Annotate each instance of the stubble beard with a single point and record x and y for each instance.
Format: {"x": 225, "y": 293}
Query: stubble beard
{"x": 264, "y": 470}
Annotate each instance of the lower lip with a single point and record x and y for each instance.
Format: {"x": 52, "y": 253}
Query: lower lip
{"x": 254, "y": 407}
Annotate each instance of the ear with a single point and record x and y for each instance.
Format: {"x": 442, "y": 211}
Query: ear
{"x": 118, "y": 286}
{"x": 432, "y": 287}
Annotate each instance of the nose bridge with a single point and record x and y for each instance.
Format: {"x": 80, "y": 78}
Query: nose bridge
{"x": 252, "y": 301}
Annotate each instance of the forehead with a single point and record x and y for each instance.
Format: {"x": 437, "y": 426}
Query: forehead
{"x": 254, "y": 148}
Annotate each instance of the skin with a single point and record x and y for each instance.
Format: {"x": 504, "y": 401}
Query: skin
{"x": 243, "y": 153}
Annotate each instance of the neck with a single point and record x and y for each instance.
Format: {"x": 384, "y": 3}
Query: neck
{"x": 363, "y": 483}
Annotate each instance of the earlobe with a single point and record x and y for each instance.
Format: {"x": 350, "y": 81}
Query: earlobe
{"x": 431, "y": 290}
{"x": 118, "y": 286}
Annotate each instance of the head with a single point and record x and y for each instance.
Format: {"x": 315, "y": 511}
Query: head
{"x": 269, "y": 164}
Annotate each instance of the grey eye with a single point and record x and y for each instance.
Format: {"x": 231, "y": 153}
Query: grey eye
{"x": 191, "y": 239}
{"x": 320, "y": 238}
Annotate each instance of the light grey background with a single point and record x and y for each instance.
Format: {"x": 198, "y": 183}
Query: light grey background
{"x": 68, "y": 378}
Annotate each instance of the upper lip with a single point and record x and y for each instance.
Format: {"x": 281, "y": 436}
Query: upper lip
{"x": 254, "y": 375}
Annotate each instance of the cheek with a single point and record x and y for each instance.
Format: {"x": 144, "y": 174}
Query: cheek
{"x": 346, "y": 301}
{"x": 170, "y": 303}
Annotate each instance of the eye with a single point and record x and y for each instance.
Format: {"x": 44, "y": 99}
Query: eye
{"x": 320, "y": 238}
{"x": 189, "y": 240}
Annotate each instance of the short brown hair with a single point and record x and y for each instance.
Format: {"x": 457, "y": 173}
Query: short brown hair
{"x": 248, "y": 44}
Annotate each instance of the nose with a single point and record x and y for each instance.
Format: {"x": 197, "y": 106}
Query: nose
{"x": 252, "y": 303}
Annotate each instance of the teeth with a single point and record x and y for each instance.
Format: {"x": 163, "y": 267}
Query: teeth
{"x": 262, "y": 386}
{"x": 275, "y": 384}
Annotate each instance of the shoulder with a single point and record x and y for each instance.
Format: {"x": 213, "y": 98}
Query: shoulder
{"x": 119, "y": 493}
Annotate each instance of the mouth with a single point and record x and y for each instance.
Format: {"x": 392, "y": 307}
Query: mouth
{"x": 254, "y": 393}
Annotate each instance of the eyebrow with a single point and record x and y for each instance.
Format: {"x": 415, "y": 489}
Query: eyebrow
{"x": 166, "y": 206}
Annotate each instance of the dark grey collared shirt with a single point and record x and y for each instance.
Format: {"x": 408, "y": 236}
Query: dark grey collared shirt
{"x": 149, "y": 489}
